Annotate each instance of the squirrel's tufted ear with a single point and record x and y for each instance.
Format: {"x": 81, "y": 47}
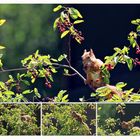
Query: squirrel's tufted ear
{"x": 85, "y": 51}
{"x": 91, "y": 52}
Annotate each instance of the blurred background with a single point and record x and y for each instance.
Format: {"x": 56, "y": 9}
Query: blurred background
{"x": 29, "y": 27}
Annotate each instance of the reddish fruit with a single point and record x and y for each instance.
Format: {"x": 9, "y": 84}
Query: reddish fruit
{"x": 109, "y": 67}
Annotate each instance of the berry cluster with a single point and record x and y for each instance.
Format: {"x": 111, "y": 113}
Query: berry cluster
{"x": 66, "y": 25}
{"x": 137, "y": 50}
{"x": 48, "y": 73}
{"x": 109, "y": 67}
{"x": 136, "y": 61}
{"x": 77, "y": 35}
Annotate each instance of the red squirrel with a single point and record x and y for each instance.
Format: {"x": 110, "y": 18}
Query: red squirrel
{"x": 94, "y": 75}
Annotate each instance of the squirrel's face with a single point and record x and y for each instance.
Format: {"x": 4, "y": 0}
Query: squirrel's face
{"x": 88, "y": 58}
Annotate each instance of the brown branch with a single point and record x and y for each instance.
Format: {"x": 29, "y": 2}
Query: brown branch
{"x": 70, "y": 67}
{"x": 54, "y": 64}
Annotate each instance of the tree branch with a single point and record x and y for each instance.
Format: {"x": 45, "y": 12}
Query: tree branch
{"x": 54, "y": 64}
{"x": 11, "y": 70}
{"x": 70, "y": 67}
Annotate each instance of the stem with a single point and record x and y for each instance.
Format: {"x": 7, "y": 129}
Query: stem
{"x": 69, "y": 51}
{"x": 54, "y": 64}
{"x": 10, "y": 70}
{"x": 70, "y": 67}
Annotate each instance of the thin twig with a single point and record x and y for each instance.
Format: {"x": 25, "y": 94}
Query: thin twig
{"x": 69, "y": 51}
{"x": 11, "y": 70}
{"x": 54, "y": 64}
{"x": 70, "y": 67}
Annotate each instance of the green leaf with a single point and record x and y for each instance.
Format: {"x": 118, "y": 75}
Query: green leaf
{"x": 64, "y": 33}
{"x": 66, "y": 71}
{"x": 57, "y": 8}
{"x": 134, "y": 22}
{"x": 26, "y": 82}
{"x": 2, "y": 21}
{"x": 36, "y": 53}
{"x": 9, "y": 93}
{"x": 129, "y": 62}
{"x": 33, "y": 80}
{"x": 37, "y": 93}
{"x": 78, "y": 21}
{"x": 61, "y": 57}
{"x": 26, "y": 92}
{"x": 74, "y": 13}
{"x": 54, "y": 60}
{"x": 138, "y": 28}
{"x": 61, "y": 93}
{"x": 1, "y": 64}
{"x": 2, "y": 47}
{"x": 120, "y": 85}
{"x": 64, "y": 99}
{"x": 55, "y": 23}
{"x": 93, "y": 94}
{"x": 104, "y": 91}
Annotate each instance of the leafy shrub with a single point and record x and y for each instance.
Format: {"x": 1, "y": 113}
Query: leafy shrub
{"x": 19, "y": 119}
{"x": 69, "y": 119}
{"x": 121, "y": 123}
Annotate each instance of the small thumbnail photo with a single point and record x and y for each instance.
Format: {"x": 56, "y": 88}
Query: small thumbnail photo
{"x": 19, "y": 119}
{"x": 118, "y": 119}
{"x": 69, "y": 119}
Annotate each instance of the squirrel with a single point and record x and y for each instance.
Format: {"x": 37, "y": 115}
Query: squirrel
{"x": 79, "y": 118}
{"x": 94, "y": 76}
{"x": 127, "y": 125}
{"x": 26, "y": 118}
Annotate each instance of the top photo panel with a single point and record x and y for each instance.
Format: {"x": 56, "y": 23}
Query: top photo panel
{"x": 69, "y": 53}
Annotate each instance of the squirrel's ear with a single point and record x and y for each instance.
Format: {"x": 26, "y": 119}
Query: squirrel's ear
{"x": 91, "y": 52}
{"x": 85, "y": 51}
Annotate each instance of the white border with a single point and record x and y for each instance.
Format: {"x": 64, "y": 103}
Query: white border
{"x": 69, "y": 1}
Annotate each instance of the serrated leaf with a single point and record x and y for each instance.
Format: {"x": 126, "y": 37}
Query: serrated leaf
{"x": 57, "y": 8}
{"x": 2, "y": 21}
{"x": 78, "y": 21}
{"x": 64, "y": 33}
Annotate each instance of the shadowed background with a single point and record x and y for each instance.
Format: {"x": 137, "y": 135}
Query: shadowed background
{"x": 29, "y": 27}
